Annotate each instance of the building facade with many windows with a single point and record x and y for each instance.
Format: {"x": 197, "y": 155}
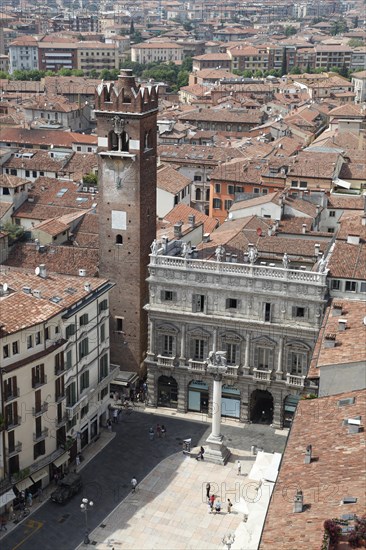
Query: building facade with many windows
{"x": 55, "y": 371}
{"x": 265, "y": 317}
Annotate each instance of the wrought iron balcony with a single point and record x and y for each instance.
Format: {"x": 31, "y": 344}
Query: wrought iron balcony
{"x": 40, "y": 435}
{"x": 16, "y": 449}
{"x": 61, "y": 421}
{"x": 9, "y": 396}
{"x": 39, "y": 381}
{"x": 37, "y": 411}
{"x": 13, "y": 422}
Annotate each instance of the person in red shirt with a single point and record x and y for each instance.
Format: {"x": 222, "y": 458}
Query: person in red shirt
{"x": 212, "y": 502}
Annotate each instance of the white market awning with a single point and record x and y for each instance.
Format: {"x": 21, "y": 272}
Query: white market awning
{"x": 342, "y": 183}
{"x": 24, "y": 484}
{"x": 61, "y": 460}
{"x": 7, "y": 497}
{"x": 37, "y": 476}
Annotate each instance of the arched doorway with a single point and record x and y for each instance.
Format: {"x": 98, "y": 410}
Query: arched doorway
{"x": 167, "y": 392}
{"x": 261, "y": 407}
{"x": 198, "y": 396}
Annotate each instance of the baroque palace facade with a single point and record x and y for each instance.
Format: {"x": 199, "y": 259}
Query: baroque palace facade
{"x": 266, "y": 319}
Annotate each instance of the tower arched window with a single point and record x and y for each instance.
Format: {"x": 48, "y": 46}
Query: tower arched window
{"x": 112, "y": 141}
{"x": 119, "y": 239}
{"x": 125, "y": 141}
{"x": 198, "y": 194}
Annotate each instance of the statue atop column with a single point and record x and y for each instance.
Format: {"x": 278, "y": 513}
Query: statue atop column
{"x": 285, "y": 261}
{"x": 216, "y": 363}
{"x": 252, "y": 253}
{"x": 154, "y": 247}
{"x": 219, "y": 252}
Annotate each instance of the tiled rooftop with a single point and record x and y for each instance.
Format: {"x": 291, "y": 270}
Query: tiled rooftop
{"x": 336, "y": 471}
{"x": 35, "y": 310}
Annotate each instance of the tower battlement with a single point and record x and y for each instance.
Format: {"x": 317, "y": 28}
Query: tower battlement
{"x": 125, "y": 96}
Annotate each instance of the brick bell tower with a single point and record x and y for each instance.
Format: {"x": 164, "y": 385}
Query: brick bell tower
{"x": 126, "y": 122}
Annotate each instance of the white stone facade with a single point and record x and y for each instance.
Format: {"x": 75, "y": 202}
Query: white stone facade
{"x": 266, "y": 319}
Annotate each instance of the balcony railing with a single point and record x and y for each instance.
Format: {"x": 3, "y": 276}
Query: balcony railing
{"x": 16, "y": 449}
{"x": 164, "y": 361}
{"x": 36, "y": 411}
{"x": 61, "y": 421}
{"x": 40, "y": 435}
{"x": 60, "y": 397}
{"x": 13, "y": 422}
{"x": 292, "y": 380}
{"x": 197, "y": 366}
{"x": 11, "y": 395}
{"x": 39, "y": 381}
{"x": 264, "y": 375}
{"x": 232, "y": 370}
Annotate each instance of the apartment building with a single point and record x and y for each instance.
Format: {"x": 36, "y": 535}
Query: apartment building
{"x": 245, "y": 57}
{"x": 58, "y": 53}
{"x": 149, "y": 52}
{"x": 55, "y": 371}
{"x": 97, "y": 55}
{"x": 23, "y": 54}
{"x": 333, "y": 56}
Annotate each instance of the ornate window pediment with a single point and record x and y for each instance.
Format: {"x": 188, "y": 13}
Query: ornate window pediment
{"x": 231, "y": 337}
{"x": 264, "y": 341}
{"x": 296, "y": 345}
{"x": 199, "y": 333}
{"x": 167, "y": 328}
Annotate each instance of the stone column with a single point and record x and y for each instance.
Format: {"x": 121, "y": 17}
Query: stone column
{"x": 182, "y": 395}
{"x": 152, "y": 388}
{"x": 277, "y": 411}
{"x": 216, "y": 406}
{"x": 216, "y": 451}
{"x": 214, "y": 340}
{"x": 279, "y": 371}
{"x": 182, "y": 358}
{"x": 246, "y": 367}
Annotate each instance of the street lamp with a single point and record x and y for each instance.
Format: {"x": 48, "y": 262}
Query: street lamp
{"x": 228, "y": 540}
{"x": 85, "y": 506}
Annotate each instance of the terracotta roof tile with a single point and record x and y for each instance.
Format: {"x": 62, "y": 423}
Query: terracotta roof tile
{"x": 181, "y": 213}
{"x": 170, "y": 179}
{"x": 336, "y": 471}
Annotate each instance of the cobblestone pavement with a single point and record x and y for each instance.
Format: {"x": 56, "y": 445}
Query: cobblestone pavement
{"x": 108, "y": 468}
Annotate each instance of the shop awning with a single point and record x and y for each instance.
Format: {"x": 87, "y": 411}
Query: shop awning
{"x": 342, "y": 183}
{"x": 24, "y": 484}
{"x": 37, "y": 476}
{"x": 61, "y": 460}
{"x": 125, "y": 379}
{"x": 7, "y": 497}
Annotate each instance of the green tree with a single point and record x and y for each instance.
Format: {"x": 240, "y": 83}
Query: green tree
{"x": 284, "y": 62}
{"x": 137, "y": 68}
{"x": 109, "y": 74}
{"x": 338, "y": 27}
{"x": 90, "y": 179}
{"x": 356, "y": 43}
{"x": 290, "y": 30}
{"x": 34, "y": 74}
{"x": 4, "y": 75}
{"x": 182, "y": 79}
{"x": 93, "y": 74}
{"x": 15, "y": 231}
{"x": 296, "y": 70}
{"x": 64, "y": 72}
{"x": 187, "y": 64}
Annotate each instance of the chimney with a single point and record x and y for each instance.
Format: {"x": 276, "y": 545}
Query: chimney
{"x": 206, "y": 237}
{"x": 354, "y": 425}
{"x": 304, "y": 228}
{"x": 342, "y": 325}
{"x": 298, "y": 502}
{"x": 317, "y": 209}
{"x": 82, "y": 272}
{"x": 270, "y": 232}
{"x": 316, "y": 249}
{"x": 228, "y": 257}
{"x": 37, "y": 293}
{"x": 164, "y": 242}
{"x": 234, "y": 258}
{"x": 363, "y": 220}
{"x": 192, "y": 220}
{"x": 178, "y": 229}
{"x": 353, "y": 239}
{"x": 87, "y": 287}
{"x": 308, "y": 451}
{"x": 336, "y": 309}
{"x": 277, "y": 224}
{"x": 329, "y": 340}
{"x": 43, "y": 271}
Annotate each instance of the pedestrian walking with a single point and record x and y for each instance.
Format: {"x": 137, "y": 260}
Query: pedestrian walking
{"x": 151, "y": 434}
{"x": 208, "y": 487}
{"x": 115, "y": 416}
{"x": 212, "y": 502}
{"x": 163, "y": 431}
{"x": 109, "y": 424}
{"x": 158, "y": 430}
{"x": 134, "y": 484}
{"x": 238, "y": 465}
{"x": 200, "y": 454}
{"x": 217, "y": 506}
{"x": 3, "y": 523}
{"x": 229, "y": 506}
{"x": 77, "y": 460}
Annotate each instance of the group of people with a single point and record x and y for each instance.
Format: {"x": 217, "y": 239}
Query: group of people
{"x": 160, "y": 431}
{"x": 214, "y": 502}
